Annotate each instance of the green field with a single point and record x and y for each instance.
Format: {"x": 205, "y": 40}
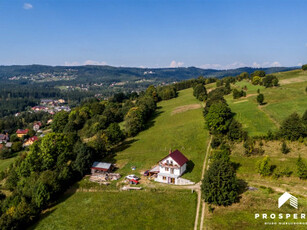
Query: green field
{"x": 171, "y": 209}
{"x": 5, "y": 163}
{"x": 178, "y": 124}
{"x": 280, "y": 101}
{"x": 242, "y": 215}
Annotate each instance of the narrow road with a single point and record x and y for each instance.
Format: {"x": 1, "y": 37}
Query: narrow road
{"x": 199, "y": 200}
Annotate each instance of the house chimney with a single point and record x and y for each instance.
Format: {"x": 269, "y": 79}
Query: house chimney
{"x": 170, "y": 151}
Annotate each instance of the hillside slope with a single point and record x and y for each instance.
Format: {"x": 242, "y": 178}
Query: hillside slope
{"x": 280, "y": 101}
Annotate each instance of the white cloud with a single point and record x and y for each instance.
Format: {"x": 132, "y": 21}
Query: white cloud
{"x": 175, "y": 64}
{"x": 256, "y": 65}
{"x": 75, "y": 63}
{"x": 266, "y": 64}
{"x": 87, "y": 62}
{"x": 211, "y": 66}
{"x": 299, "y": 64}
{"x": 236, "y": 65}
{"x": 219, "y": 66}
{"x": 276, "y": 64}
{"x": 27, "y": 6}
{"x": 91, "y": 62}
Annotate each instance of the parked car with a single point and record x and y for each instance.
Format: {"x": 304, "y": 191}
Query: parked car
{"x": 132, "y": 177}
{"x": 146, "y": 173}
{"x": 133, "y": 181}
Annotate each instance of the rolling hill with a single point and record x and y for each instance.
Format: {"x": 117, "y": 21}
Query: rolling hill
{"x": 85, "y": 74}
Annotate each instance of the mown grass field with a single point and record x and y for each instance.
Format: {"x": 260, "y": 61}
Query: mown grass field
{"x": 280, "y": 101}
{"x": 171, "y": 209}
{"x": 179, "y": 124}
{"x": 242, "y": 215}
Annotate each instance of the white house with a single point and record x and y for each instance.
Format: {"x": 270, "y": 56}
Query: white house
{"x": 172, "y": 167}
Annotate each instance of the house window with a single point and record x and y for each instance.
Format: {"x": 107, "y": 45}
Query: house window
{"x": 164, "y": 178}
{"x": 171, "y": 162}
{"x": 166, "y": 169}
{"x": 167, "y": 162}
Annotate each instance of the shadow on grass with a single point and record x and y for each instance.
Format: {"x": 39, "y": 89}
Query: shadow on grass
{"x": 236, "y": 165}
{"x": 190, "y": 167}
{"x": 151, "y": 122}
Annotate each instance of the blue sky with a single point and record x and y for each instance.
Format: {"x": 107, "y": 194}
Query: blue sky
{"x": 154, "y": 33}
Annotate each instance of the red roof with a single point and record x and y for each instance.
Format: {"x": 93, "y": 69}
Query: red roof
{"x": 178, "y": 157}
{"x": 33, "y": 139}
{"x": 22, "y": 131}
{"x": 38, "y": 123}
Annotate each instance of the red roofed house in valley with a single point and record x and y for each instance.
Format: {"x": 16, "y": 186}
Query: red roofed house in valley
{"x": 30, "y": 141}
{"x": 21, "y": 132}
{"x": 172, "y": 167}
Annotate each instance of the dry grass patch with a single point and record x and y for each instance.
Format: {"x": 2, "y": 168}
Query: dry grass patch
{"x": 185, "y": 108}
{"x": 293, "y": 80}
{"x": 240, "y": 101}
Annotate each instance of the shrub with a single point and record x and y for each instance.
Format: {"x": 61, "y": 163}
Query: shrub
{"x": 280, "y": 172}
{"x": 260, "y": 98}
{"x": 216, "y": 141}
{"x": 284, "y": 148}
{"x": 292, "y": 128}
{"x": 301, "y": 168}
{"x": 264, "y": 167}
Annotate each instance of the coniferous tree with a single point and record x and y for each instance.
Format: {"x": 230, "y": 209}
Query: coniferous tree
{"x": 220, "y": 184}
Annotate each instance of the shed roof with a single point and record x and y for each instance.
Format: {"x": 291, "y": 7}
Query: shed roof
{"x": 102, "y": 165}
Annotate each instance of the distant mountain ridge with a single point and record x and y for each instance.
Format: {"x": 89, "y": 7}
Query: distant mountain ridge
{"x": 110, "y": 73}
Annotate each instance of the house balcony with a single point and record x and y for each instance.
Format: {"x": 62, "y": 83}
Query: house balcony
{"x": 169, "y": 165}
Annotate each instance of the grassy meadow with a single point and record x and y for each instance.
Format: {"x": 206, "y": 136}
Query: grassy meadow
{"x": 6, "y": 162}
{"x": 178, "y": 124}
{"x": 172, "y": 209}
{"x": 241, "y": 215}
{"x": 280, "y": 102}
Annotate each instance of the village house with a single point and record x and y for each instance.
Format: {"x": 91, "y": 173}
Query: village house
{"x": 172, "y": 167}
{"x": 4, "y": 138}
{"x": 30, "y": 141}
{"x": 22, "y": 132}
{"x": 8, "y": 145}
{"x": 37, "y": 125}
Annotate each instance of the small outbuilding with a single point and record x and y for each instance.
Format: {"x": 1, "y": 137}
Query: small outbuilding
{"x": 101, "y": 167}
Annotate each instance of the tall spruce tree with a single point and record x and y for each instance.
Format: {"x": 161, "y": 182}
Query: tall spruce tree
{"x": 220, "y": 184}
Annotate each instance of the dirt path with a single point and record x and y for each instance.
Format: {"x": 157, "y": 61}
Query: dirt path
{"x": 199, "y": 200}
